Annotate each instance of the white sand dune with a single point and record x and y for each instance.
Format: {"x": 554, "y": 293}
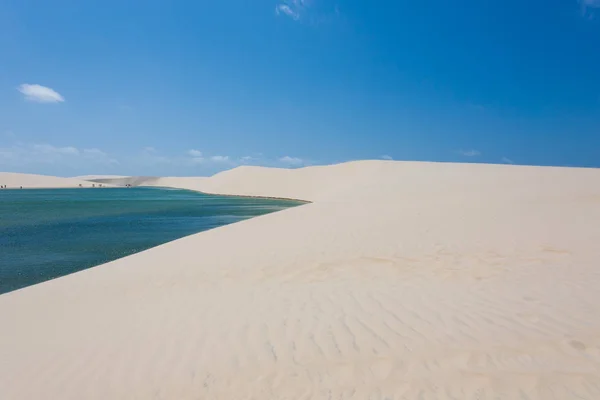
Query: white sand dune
{"x": 28, "y": 181}
{"x": 400, "y": 281}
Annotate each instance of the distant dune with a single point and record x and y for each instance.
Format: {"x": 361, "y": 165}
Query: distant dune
{"x": 28, "y": 181}
{"x": 400, "y": 280}
{"x": 92, "y": 177}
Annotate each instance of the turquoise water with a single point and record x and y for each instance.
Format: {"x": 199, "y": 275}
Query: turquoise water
{"x": 47, "y": 233}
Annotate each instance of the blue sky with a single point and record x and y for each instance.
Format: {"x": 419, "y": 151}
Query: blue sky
{"x": 193, "y": 87}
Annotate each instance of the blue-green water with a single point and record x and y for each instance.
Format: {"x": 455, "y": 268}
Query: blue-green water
{"x": 45, "y": 234}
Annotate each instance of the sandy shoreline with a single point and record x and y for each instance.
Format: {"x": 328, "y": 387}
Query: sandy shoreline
{"x": 398, "y": 281}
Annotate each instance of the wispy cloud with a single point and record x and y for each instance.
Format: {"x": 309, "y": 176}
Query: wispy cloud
{"x": 196, "y": 156}
{"x": 49, "y": 149}
{"x": 191, "y": 157}
{"x": 588, "y": 8}
{"x": 292, "y": 8}
{"x": 194, "y": 153}
{"x": 146, "y": 160}
{"x": 386, "y": 157}
{"x": 94, "y": 153}
{"x": 292, "y": 161}
{"x": 287, "y": 10}
{"x": 470, "y": 153}
{"x": 254, "y": 159}
{"x": 591, "y": 3}
{"x": 507, "y": 160}
{"x": 42, "y": 153}
{"x": 40, "y": 94}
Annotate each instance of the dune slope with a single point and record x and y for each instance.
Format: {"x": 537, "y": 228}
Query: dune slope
{"x": 399, "y": 281}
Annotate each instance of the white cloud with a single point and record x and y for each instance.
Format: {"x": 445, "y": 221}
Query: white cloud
{"x": 292, "y": 8}
{"x": 285, "y": 9}
{"x": 69, "y": 150}
{"x": 40, "y": 94}
{"x": 49, "y": 149}
{"x": 470, "y": 153}
{"x": 292, "y": 161}
{"x": 507, "y": 160}
{"x": 42, "y": 153}
{"x": 255, "y": 159}
{"x": 386, "y": 157}
{"x": 192, "y": 157}
{"x": 196, "y": 156}
{"x": 194, "y": 153}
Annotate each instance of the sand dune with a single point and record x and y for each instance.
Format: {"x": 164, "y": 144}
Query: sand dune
{"x": 28, "y": 181}
{"x": 399, "y": 281}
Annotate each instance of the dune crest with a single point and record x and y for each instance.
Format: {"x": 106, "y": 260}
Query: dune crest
{"x": 399, "y": 281}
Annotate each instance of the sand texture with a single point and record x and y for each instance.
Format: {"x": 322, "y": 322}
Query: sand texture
{"x": 399, "y": 281}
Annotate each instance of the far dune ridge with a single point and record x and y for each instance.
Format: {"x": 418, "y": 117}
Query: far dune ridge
{"x": 400, "y": 280}
{"x": 92, "y": 177}
{"x": 16, "y": 180}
